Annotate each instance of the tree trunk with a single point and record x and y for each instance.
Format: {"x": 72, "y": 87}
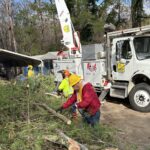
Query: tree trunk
{"x": 136, "y": 12}
{"x": 2, "y": 42}
{"x": 11, "y": 36}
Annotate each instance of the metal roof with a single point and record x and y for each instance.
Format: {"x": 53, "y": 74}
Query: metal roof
{"x": 47, "y": 56}
{"x": 15, "y": 59}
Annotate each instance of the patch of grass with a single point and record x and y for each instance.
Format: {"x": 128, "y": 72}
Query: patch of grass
{"x": 23, "y": 125}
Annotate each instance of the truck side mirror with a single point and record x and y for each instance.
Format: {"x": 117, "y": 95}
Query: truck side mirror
{"x": 129, "y": 55}
{"x": 117, "y": 57}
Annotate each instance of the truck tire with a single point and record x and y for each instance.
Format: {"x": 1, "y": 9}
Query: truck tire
{"x": 139, "y": 97}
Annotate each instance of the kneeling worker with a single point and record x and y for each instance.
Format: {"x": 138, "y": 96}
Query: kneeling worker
{"x": 85, "y": 99}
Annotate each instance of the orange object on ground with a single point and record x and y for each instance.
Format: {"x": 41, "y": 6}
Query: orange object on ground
{"x": 73, "y": 145}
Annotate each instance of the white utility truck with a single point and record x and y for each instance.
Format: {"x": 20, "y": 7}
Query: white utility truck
{"x": 126, "y": 66}
{"x": 124, "y": 61}
{"x": 128, "y": 60}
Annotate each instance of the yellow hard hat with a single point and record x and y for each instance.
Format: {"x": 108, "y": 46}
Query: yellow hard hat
{"x": 30, "y": 67}
{"x": 74, "y": 79}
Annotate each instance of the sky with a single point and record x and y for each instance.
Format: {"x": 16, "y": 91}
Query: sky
{"x": 127, "y": 2}
{"x": 147, "y": 7}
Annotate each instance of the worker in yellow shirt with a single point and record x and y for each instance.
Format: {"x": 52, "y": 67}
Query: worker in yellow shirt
{"x": 67, "y": 90}
{"x": 30, "y": 71}
{"x": 64, "y": 85}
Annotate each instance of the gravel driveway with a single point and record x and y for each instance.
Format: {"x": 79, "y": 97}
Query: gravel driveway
{"x": 133, "y": 127}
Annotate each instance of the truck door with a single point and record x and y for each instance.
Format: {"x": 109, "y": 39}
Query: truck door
{"x": 122, "y": 60}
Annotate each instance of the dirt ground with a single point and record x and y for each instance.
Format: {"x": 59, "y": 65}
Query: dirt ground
{"x": 133, "y": 128}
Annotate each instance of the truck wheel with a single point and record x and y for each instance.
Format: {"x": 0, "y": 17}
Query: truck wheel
{"x": 139, "y": 97}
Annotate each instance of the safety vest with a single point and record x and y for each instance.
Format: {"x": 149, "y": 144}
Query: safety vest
{"x": 65, "y": 87}
{"x": 30, "y": 73}
{"x": 79, "y": 93}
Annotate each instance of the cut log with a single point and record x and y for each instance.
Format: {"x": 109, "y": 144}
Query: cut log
{"x": 50, "y": 110}
{"x": 73, "y": 145}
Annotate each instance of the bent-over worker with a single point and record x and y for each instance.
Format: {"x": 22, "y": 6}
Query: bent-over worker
{"x": 85, "y": 99}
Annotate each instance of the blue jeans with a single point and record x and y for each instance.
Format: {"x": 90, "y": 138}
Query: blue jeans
{"x": 90, "y": 119}
{"x": 73, "y": 108}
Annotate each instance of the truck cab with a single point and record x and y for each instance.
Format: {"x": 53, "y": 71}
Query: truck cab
{"x": 130, "y": 60}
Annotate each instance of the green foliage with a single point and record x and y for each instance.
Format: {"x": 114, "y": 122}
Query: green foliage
{"x": 112, "y": 17}
{"x": 18, "y": 145}
{"x": 23, "y": 126}
{"x": 36, "y": 36}
{"x": 86, "y": 20}
{"x": 37, "y": 29}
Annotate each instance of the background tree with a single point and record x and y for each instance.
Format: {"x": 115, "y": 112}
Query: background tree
{"x": 137, "y": 12}
{"x": 7, "y": 25}
{"x": 35, "y": 27}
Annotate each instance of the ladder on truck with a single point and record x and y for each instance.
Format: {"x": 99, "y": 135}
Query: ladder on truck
{"x": 135, "y": 31}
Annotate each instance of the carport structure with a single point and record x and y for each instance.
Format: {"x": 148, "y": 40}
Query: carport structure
{"x": 12, "y": 59}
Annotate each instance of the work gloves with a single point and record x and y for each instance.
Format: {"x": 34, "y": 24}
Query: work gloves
{"x": 74, "y": 106}
{"x": 60, "y": 109}
{"x": 59, "y": 92}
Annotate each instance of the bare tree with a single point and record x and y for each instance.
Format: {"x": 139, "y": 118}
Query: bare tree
{"x": 7, "y": 26}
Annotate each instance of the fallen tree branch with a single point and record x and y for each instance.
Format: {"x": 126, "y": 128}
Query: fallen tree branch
{"x": 52, "y": 94}
{"x": 72, "y": 143}
{"x": 50, "y": 110}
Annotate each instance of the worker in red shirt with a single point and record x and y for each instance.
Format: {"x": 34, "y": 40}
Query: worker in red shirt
{"x": 85, "y": 99}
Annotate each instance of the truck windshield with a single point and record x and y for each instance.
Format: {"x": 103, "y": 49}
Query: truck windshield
{"x": 142, "y": 47}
